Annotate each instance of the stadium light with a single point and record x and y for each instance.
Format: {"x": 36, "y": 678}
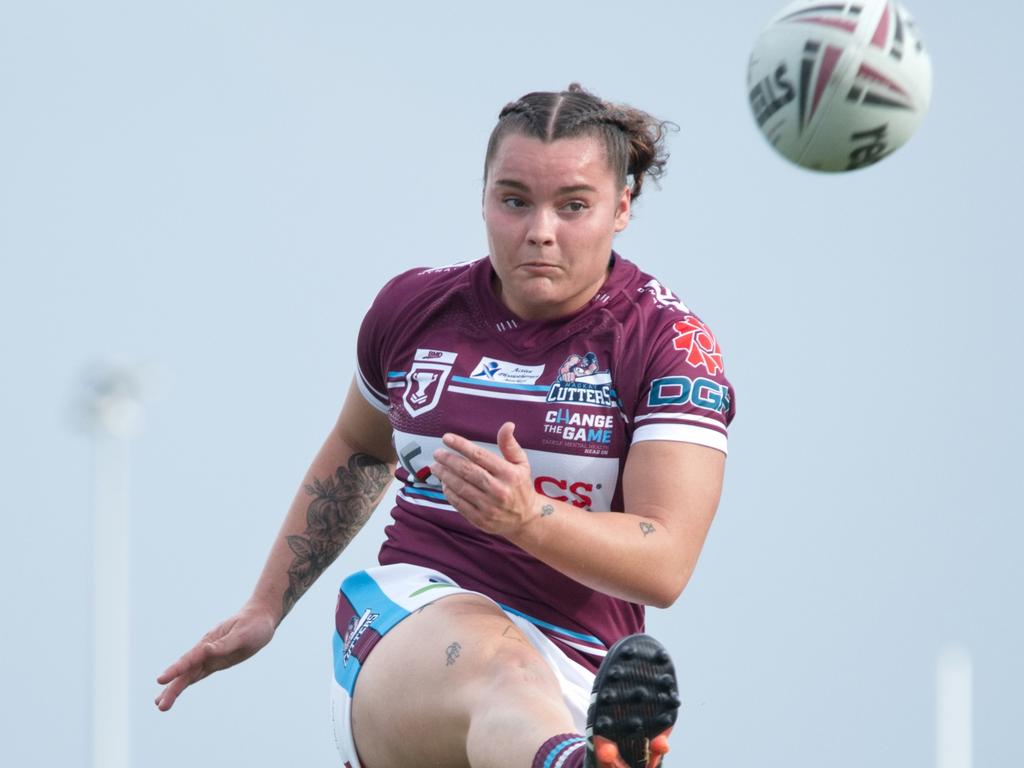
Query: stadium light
{"x": 112, "y": 409}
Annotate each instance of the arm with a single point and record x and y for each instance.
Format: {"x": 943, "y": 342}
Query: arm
{"x": 342, "y": 487}
{"x": 350, "y": 473}
{"x": 645, "y": 554}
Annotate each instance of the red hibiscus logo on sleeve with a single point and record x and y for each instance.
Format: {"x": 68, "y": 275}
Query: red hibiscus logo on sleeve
{"x": 699, "y": 344}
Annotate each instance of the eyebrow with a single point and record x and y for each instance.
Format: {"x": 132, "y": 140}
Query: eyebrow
{"x": 561, "y": 190}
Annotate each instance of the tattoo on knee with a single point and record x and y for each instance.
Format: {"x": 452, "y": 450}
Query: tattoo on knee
{"x": 452, "y": 652}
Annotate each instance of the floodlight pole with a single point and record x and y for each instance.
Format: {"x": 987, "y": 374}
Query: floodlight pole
{"x": 954, "y": 708}
{"x": 114, "y": 415}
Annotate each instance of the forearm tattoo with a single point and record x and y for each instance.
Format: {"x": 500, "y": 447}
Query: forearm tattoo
{"x": 647, "y": 528}
{"x": 340, "y": 506}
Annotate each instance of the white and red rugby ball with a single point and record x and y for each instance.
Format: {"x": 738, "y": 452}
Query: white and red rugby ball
{"x": 838, "y": 86}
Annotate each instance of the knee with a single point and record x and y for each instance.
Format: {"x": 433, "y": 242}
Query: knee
{"x": 517, "y": 670}
{"x": 518, "y": 696}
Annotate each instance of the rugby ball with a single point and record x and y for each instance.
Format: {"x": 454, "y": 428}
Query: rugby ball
{"x": 839, "y": 86}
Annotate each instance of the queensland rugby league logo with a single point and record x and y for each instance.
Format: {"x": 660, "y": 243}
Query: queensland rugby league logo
{"x": 426, "y": 379}
{"x": 820, "y": 61}
{"x": 699, "y": 344}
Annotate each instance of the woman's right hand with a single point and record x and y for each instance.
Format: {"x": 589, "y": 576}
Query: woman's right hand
{"x": 227, "y": 644}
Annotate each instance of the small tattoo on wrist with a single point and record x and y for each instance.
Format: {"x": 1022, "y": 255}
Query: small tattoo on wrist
{"x": 452, "y": 652}
{"x": 646, "y": 528}
{"x": 546, "y": 510}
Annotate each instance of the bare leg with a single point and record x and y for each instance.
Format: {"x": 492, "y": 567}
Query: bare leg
{"x": 455, "y": 685}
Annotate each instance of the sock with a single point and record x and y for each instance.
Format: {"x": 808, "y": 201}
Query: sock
{"x": 565, "y": 750}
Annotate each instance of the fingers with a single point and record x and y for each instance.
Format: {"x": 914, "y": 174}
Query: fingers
{"x": 474, "y": 453}
{"x": 191, "y": 659}
{"x": 465, "y": 508}
{"x": 170, "y": 694}
{"x": 493, "y": 492}
{"x": 188, "y": 669}
{"x": 227, "y": 644}
{"x": 460, "y": 472}
{"x": 491, "y": 464}
{"x": 464, "y": 495}
{"x": 509, "y": 446}
{"x": 206, "y": 657}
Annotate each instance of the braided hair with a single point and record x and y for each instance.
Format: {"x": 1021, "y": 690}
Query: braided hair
{"x": 633, "y": 139}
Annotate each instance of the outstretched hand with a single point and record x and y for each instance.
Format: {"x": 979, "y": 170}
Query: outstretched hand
{"x": 227, "y": 644}
{"x": 494, "y": 493}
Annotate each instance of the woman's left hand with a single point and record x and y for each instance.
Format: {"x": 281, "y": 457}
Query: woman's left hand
{"x": 494, "y": 493}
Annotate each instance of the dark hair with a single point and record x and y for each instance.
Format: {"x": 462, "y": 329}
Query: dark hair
{"x": 634, "y": 141}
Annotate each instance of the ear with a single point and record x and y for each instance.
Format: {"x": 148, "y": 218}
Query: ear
{"x": 622, "y": 209}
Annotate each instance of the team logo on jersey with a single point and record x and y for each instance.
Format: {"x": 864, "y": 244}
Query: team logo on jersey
{"x": 425, "y": 381}
{"x": 357, "y": 626}
{"x": 579, "y": 381}
{"x": 699, "y": 344}
{"x": 502, "y": 372}
{"x": 663, "y": 297}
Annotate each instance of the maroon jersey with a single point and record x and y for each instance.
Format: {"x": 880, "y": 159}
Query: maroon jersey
{"x": 438, "y": 352}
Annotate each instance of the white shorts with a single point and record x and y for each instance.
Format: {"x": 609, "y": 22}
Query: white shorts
{"x": 373, "y": 601}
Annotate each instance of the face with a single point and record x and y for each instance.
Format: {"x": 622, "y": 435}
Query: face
{"x": 552, "y": 210}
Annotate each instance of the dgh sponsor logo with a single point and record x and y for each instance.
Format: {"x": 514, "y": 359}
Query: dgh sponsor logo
{"x": 680, "y": 390}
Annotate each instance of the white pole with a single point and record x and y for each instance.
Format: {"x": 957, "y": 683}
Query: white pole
{"x": 111, "y": 600}
{"x": 954, "y": 708}
{"x": 114, "y": 416}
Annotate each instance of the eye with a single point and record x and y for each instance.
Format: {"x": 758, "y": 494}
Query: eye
{"x": 513, "y": 202}
{"x": 575, "y": 206}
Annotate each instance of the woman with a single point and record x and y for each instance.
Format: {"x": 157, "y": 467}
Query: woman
{"x": 557, "y": 420}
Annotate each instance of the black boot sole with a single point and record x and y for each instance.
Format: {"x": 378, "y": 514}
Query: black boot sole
{"x": 635, "y": 698}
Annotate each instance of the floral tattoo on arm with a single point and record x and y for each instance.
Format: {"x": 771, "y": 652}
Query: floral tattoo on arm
{"x": 340, "y": 506}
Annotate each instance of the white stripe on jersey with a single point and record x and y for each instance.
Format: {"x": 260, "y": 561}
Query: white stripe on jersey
{"x": 529, "y": 398}
{"x": 682, "y": 433}
{"x": 372, "y": 396}
{"x": 498, "y": 395}
{"x": 682, "y": 417}
{"x": 424, "y": 503}
{"x": 362, "y": 378}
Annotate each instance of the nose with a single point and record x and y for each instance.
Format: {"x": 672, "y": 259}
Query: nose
{"x": 542, "y": 228}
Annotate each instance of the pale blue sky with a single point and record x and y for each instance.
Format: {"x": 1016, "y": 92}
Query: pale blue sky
{"x": 217, "y": 189}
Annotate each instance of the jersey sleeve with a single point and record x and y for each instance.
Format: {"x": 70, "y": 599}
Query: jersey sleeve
{"x": 684, "y": 395}
{"x": 371, "y": 346}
